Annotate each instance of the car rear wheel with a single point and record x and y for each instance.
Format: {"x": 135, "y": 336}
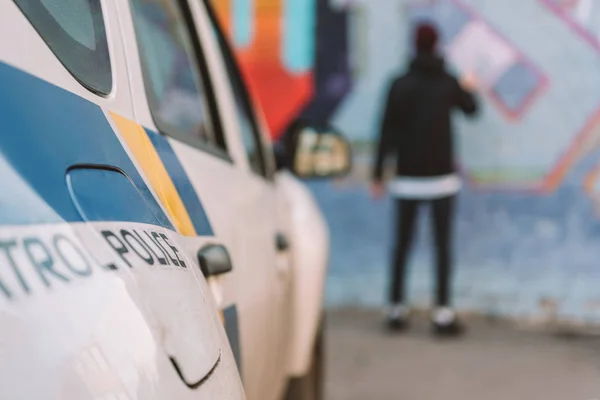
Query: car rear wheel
{"x": 310, "y": 386}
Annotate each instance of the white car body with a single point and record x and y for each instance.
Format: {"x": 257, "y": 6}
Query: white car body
{"x": 104, "y": 308}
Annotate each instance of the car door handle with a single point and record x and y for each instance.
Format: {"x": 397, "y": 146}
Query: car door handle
{"x": 281, "y": 242}
{"x": 214, "y": 260}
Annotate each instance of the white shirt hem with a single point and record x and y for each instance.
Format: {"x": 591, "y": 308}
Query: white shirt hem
{"x": 425, "y": 188}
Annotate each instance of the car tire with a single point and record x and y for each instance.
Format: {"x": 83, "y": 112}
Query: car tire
{"x": 311, "y": 385}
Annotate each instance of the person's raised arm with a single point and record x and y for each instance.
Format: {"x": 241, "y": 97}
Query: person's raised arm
{"x": 465, "y": 89}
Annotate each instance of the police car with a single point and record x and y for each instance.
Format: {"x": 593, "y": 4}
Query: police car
{"x": 151, "y": 246}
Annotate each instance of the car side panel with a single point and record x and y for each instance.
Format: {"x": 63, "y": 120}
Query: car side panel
{"x": 310, "y": 237}
{"x": 64, "y": 320}
{"x": 264, "y": 273}
{"x": 38, "y": 273}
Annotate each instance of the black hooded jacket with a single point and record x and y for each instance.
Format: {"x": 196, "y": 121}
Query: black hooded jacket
{"x": 417, "y": 124}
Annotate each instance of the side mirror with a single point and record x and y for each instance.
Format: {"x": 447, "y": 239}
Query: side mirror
{"x": 319, "y": 153}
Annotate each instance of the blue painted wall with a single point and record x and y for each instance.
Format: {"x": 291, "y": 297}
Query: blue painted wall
{"x": 528, "y": 227}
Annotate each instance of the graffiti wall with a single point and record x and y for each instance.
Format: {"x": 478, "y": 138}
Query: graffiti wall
{"x": 528, "y": 228}
{"x": 294, "y": 54}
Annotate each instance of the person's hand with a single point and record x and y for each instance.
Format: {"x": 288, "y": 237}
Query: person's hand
{"x": 469, "y": 81}
{"x": 377, "y": 190}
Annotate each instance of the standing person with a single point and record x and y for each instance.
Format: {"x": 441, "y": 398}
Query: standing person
{"x": 416, "y": 128}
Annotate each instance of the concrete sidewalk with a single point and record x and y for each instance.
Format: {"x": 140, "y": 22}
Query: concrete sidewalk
{"x": 494, "y": 361}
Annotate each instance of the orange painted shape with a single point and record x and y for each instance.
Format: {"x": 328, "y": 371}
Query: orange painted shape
{"x": 570, "y": 157}
{"x": 223, "y": 13}
{"x": 280, "y": 93}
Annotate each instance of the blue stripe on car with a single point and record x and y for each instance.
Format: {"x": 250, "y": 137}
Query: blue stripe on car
{"x": 182, "y": 183}
{"x": 46, "y": 130}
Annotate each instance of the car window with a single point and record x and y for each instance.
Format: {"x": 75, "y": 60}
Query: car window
{"x": 250, "y": 135}
{"x": 174, "y": 87}
{"x": 74, "y": 30}
{"x": 245, "y": 115}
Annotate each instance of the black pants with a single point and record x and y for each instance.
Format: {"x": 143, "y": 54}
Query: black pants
{"x": 442, "y": 227}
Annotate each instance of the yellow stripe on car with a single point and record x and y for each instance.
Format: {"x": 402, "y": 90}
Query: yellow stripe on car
{"x": 146, "y": 155}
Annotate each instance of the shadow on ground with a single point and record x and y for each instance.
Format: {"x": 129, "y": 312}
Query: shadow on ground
{"x": 494, "y": 361}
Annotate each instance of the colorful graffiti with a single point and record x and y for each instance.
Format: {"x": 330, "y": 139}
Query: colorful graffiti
{"x": 510, "y": 79}
{"x": 293, "y": 55}
{"x": 528, "y": 223}
{"x": 520, "y": 153}
{"x": 332, "y": 71}
{"x": 302, "y": 58}
{"x": 279, "y": 74}
{"x": 583, "y": 16}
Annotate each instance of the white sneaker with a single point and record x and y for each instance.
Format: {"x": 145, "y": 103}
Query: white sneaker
{"x": 397, "y": 319}
{"x": 444, "y": 316}
{"x": 446, "y": 323}
{"x": 398, "y": 311}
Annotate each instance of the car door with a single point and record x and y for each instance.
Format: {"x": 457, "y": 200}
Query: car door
{"x": 271, "y": 214}
{"x": 186, "y": 105}
{"x": 109, "y": 305}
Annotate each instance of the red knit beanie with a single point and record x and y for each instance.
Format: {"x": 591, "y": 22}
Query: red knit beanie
{"x": 426, "y": 38}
